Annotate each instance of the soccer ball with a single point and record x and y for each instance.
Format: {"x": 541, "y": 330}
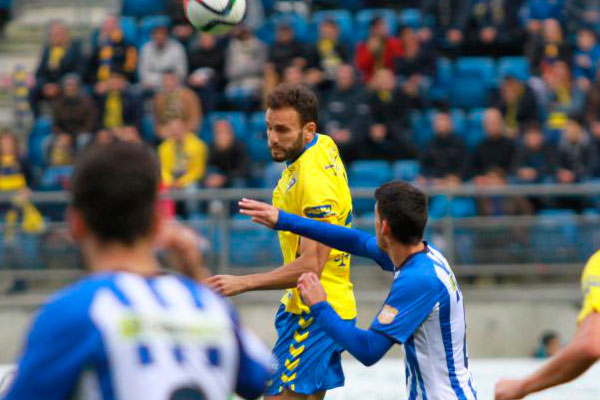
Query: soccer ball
{"x": 215, "y": 16}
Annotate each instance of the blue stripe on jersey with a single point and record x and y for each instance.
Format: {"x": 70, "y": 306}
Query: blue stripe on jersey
{"x": 103, "y": 370}
{"x": 118, "y": 292}
{"x": 152, "y": 285}
{"x": 472, "y": 388}
{"x": 193, "y": 289}
{"x": 447, "y": 339}
{"x": 411, "y": 355}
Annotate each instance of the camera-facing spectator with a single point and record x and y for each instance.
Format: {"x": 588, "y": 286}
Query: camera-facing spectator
{"x": 15, "y": 173}
{"x": 577, "y": 157}
{"x": 561, "y": 97}
{"x": 450, "y": 22}
{"x": 417, "y": 66}
{"x": 207, "y": 62}
{"x": 286, "y": 50}
{"x": 117, "y": 103}
{"x": 110, "y": 51}
{"x": 75, "y": 112}
{"x": 228, "y": 160}
{"x": 380, "y": 50}
{"x": 183, "y": 156}
{"x": 547, "y": 47}
{"x": 518, "y": 104}
{"x": 495, "y": 28}
{"x": 159, "y": 55}
{"x": 180, "y": 28}
{"x": 549, "y": 345}
{"x": 176, "y": 101}
{"x": 496, "y": 150}
{"x": 536, "y": 160}
{"x": 60, "y": 56}
{"x": 380, "y": 144}
{"x": 389, "y": 104}
{"x": 328, "y": 54}
{"x": 244, "y": 63}
{"x": 443, "y": 159}
{"x": 586, "y": 57}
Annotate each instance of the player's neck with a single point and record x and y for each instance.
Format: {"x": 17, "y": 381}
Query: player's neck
{"x": 399, "y": 253}
{"x": 136, "y": 259}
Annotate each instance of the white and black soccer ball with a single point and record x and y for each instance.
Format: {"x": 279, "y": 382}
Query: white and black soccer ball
{"x": 215, "y": 16}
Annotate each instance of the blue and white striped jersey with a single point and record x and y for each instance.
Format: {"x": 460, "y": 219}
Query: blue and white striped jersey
{"x": 124, "y": 336}
{"x": 425, "y": 312}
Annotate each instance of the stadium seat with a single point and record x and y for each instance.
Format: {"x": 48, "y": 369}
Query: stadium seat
{"x": 149, "y": 23}
{"x": 148, "y": 130}
{"x": 474, "y": 132}
{"x": 554, "y": 236}
{"x": 364, "y": 18}
{"x": 41, "y": 130}
{"x": 257, "y": 140}
{"x": 266, "y": 33}
{"x": 342, "y": 17}
{"x": 472, "y": 80}
{"x": 406, "y": 170}
{"x": 483, "y": 67}
{"x": 368, "y": 174}
{"x": 411, "y": 17}
{"x": 515, "y": 66}
{"x": 443, "y": 80}
{"x": 459, "y": 207}
{"x": 421, "y": 128}
{"x": 55, "y": 178}
{"x": 142, "y": 8}
{"x": 252, "y": 246}
{"x": 236, "y": 118}
{"x": 272, "y": 174}
{"x": 130, "y": 30}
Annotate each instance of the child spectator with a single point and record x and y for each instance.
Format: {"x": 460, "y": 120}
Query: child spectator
{"x": 14, "y": 168}
{"x": 176, "y": 101}
{"x": 207, "y": 62}
{"x": 380, "y": 50}
{"x": 536, "y": 160}
{"x": 586, "y": 57}
{"x": 228, "y": 158}
{"x": 118, "y": 105}
{"x": 159, "y": 55}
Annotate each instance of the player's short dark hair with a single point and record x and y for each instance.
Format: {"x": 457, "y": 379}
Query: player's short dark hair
{"x": 298, "y": 97}
{"x": 405, "y": 208}
{"x": 115, "y": 187}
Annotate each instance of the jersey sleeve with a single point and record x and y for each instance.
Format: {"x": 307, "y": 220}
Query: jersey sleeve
{"x": 412, "y": 298}
{"x": 59, "y": 344}
{"x": 318, "y": 197}
{"x": 590, "y": 283}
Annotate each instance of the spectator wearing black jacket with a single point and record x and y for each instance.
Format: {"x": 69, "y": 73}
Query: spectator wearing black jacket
{"x": 496, "y": 151}
{"x": 536, "y": 160}
{"x": 328, "y": 53}
{"x": 118, "y": 105}
{"x": 228, "y": 158}
{"x": 60, "y": 56}
{"x": 451, "y": 18}
{"x": 389, "y": 104}
{"x": 577, "y": 157}
{"x": 547, "y": 47}
{"x": 286, "y": 50}
{"x": 180, "y": 28}
{"x": 417, "y": 66}
{"x": 518, "y": 104}
{"x": 380, "y": 144}
{"x": 444, "y": 156}
{"x": 206, "y": 60}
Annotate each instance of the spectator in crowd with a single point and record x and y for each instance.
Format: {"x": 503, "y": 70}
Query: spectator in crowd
{"x": 549, "y": 345}
{"x": 244, "y": 63}
{"x": 538, "y": 11}
{"x": 380, "y": 144}
{"x": 496, "y": 151}
{"x": 581, "y": 13}
{"x": 416, "y": 68}
{"x": 577, "y": 157}
{"x": 75, "y": 112}
{"x": 536, "y": 160}
{"x": 5, "y": 6}
{"x": 560, "y": 96}
{"x": 159, "y": 55}
{"x": 110, "y": 51}
{"x": 390, "y": 105}
{"x": 380, "y": 50}
{"x": 499, "y": 205}
{"x": 591, "y": 109}
{"x": 15, "y": 174}
{"x": 180, "y": 28}
{"x": 547, "y": 47}
{"x": 450, "y": 22}
{"x": 207, "y": 62}
{"x": 495, "y": 28}
{"x": 60, "y": 56}
{"x": 228, "y": 160}
{"x": 586, "y": 57}
{"x": 345, "y": 111}
{"x": 328, "y": 54}
{"x": 443, "y": 159}
{"x": 176, "y": 101}
{"x": 286, "y": 50}
{"x": 60, "y": 153}
{"x": 183, "y": 157}
{"x": 294, "y": 75}
{"x": 117, "y": 103}
{"x": 518, "y": 104}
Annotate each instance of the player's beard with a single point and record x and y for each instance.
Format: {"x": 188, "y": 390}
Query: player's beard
{"x": 291, "y": 153}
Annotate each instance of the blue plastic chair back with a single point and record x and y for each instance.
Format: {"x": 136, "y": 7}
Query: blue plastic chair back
{"x": 237, "y": 119}
{"x": 148, "y": 24}
{"x": 514, "y": 66}
{"x": 142, "y": 8}
{"x": 411, "y": 17}
{"x": 406, "y": 170}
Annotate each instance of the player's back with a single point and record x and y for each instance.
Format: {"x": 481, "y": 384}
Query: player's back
{"x": 125, "y": 336}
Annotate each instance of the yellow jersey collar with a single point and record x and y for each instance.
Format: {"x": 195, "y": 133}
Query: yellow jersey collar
{"x": 308, "y": 146}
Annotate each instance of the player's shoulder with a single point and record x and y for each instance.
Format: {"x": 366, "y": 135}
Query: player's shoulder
{"x": 81, "y": 292}
{"x": 418, "y": 273}
{"x": 593, "y": 264}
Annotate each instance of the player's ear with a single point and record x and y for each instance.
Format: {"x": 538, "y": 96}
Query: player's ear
{"x": 310, "y": 128}
{"x": 77, "y": 226}
{"x": 385, "y": 228}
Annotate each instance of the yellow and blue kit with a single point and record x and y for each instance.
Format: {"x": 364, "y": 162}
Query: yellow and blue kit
{"x": 315, "y": 185}
{"x": 590, "y": 283}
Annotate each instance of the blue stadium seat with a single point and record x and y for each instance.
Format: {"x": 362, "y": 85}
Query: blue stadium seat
{"x": 483, "y": 67}
{"x": 368, "y": 174}
{"x": 406, "y": 170}
{"x": 364, "y": 18}
{"x": 130, "y": 30}
{"x": 41, "y": 130}
{"x": 472, "y": 80}
{"x": 257, "y": 141}
{"x": 342, "y": 17}
{"x": 142, "y": 8}
{"x": 411, "y": 17}
{"x": 459, "y": 207}
{"x": 554, "y": 236}
{"x": 55, "y": 178}
{"x": 148, "y": 130}
{"x": 272, "y": 173}
{"x": 236, "y": 118}
{"x": 474, "y": 133}
{"x": 149, "y": 23}
{"x": 421, "y": 128}
{"x": 443, "y": 80}
{"x": 515, "y": 66}
{"x": 252, "y": 246}
{"x": 266, "y": 33}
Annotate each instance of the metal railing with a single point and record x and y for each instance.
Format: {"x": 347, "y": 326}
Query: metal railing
{"x": 523, "y": 245}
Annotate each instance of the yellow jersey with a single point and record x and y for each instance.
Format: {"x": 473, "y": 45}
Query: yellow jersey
{"x": 590, "y": 284}
{"x": 183, "y": 162}
{"x": 315, "y": 185}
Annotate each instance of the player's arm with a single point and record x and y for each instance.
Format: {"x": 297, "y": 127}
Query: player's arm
{"x": 367, "y": 346}
{"x": 349, "y": 240}
{"x": 568, "y": 364}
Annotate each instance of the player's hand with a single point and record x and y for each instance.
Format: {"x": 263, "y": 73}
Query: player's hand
{"x": 261, "y": 213}
{"x": 227, "y": 285}
{"x": 509, "y": 389}
{"x": 311, "y": 289}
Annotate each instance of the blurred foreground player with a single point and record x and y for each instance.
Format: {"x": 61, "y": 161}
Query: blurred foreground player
{"x": 424, "y": 310}
{"x": 576, "y": 357}
{"x": 126, "y": 331}
{"x": 314, "y": 185}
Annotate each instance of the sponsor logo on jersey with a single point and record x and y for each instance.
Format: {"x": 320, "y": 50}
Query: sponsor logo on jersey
{"x": 322, "y": 211}
{"x": 387, "y": 315}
